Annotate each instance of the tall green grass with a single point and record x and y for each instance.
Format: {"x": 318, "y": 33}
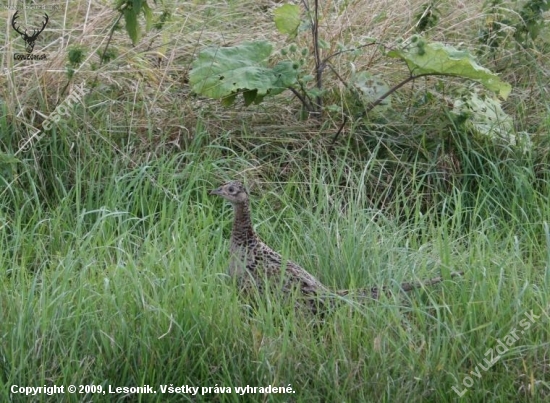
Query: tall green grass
{"x": 113, "y": 273}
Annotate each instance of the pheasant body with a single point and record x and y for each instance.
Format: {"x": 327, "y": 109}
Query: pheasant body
{"x": 254, "y": 263}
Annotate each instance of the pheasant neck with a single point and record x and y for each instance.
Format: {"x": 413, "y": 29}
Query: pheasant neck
{"x": 243, "y": 233}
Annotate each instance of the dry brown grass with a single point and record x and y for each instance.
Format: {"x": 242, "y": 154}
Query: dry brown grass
{"x": 145, "y": 93}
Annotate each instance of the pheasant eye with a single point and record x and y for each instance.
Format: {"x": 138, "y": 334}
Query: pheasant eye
{"x": 231, "y": 189}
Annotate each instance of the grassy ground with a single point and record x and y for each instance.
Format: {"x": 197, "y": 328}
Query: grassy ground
{"x": 123, "y": 284}
{"x": 113, "y": 256}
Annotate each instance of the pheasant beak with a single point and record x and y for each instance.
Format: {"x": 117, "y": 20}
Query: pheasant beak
{"x": 218, "y": 191}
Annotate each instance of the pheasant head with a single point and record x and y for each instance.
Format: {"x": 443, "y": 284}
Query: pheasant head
{"x": 233, "y": 191}
{"x": 242, "y": 233}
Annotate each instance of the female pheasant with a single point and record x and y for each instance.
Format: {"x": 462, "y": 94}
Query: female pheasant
{"x": 254, "y": 263}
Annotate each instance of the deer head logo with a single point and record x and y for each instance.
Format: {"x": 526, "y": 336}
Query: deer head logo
{"x": 29, "y": 39}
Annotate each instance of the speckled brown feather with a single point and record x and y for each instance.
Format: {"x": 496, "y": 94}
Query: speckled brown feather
{"x": 253, "y": 263}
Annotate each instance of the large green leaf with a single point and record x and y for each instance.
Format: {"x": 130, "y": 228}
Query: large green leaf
{"x": 131, "y": 10}
{"x": 287, "y": 19}
{"x": 486, "y": 117}
{"x": 222, "y": 73}
{"x": 435, "y": 58}
{"x": 370, "y": 88}
{"x": 148, "y": 13}
{"x": 132, "y": 27}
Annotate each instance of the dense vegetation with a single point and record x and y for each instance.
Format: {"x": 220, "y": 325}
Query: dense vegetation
{"x": 113, "y": 256}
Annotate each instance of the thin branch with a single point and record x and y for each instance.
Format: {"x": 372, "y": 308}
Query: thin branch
{"x": 338, "y": 133}
{"x": 306, "y": 95}
{"x": 326, "y": 59}
{"x": 338, "y": 75}
{"x": 102, "y": 58}
{"x": 317, "y": 54}
{"x": 300, "y": 97}
{"x": 374, "y": 104}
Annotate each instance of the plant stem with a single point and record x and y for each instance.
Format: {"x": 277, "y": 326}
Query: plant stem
{"x": 318, "y": 66}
